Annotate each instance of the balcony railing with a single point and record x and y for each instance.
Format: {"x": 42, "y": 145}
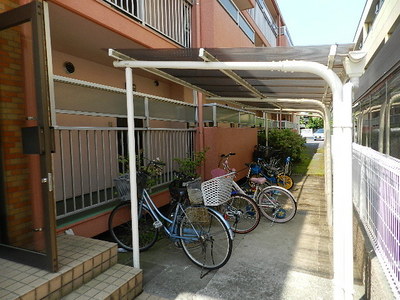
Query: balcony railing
{"x": 216, "y": 113}
{"x": 264, "y": 21}
{"x": 87, "y": 159}
{"x": 171, "y": 18}
{"x": 238, "y": 17}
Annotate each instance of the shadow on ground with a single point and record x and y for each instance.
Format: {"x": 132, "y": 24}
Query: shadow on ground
{"x": 275, "y": 261}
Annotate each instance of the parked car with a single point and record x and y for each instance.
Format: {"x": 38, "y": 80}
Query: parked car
{"x": 319, "y": 135}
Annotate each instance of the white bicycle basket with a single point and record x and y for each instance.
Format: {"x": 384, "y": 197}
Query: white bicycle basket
{"x": 217, "y": 190}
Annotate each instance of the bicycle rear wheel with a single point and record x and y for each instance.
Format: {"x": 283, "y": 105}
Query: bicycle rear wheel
{"x": 241, "y": 212}
{"x": 120, "y": 226}
{"x": 277, "y": 204}
{"x": 284, "y": 181}
{"x": 205, "y": 237}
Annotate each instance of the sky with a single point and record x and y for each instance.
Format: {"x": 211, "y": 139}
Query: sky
{"x": 321, "y": 22}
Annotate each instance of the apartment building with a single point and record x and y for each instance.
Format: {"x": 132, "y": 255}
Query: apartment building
{"x": 376, "y": 151}
{"x": 63, "y": 108}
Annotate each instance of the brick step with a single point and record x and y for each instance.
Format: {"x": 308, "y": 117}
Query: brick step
{"x": 118, "y": 282}
{"x": 80, "y": 260}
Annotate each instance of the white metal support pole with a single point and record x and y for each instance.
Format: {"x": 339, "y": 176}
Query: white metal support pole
{"x": 328, "y": 165}
{"x": 132, "y": 166}
{"x": 342, "y": 191}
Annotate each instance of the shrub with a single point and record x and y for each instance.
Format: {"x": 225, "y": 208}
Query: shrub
{"x": 188, "y": 166}
{"x": 286, "y": 141}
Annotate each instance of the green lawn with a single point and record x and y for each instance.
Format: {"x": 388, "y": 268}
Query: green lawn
{"x": 312, "y": 161}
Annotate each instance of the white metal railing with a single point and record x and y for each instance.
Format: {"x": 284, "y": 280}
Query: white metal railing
{"x": 217, "y": 113}
{"x": 265, "y": 22}
{"x": 171, "y": 18}
{"x": 87, "y": 159}
{"x": 107, "y": 101}
{"x": 284, "y": 31}
{"x": 376, "y": 197}
{"x": 282, "y": 124}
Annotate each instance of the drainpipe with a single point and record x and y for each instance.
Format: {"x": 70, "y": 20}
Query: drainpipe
{"x": 342, "y": 187}
{"x": 342, "y": 197}
{"x": 200, "y": 129}
{"x": 198, "y": 23}
{"x": 132, "y": 166}
{"x": 266, "y": 125}
{"x": 200, "y": 98}
{"x": 342, "y": 160}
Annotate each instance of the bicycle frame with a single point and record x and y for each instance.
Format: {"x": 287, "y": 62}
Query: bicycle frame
{"x": 236, "y": 187}
{"x": 271, "y": 180}
{"x": 171, "y": 228}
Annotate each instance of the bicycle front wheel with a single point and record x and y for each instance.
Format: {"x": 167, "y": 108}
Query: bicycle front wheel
{"x": 205, "y": 237}
{"x": 241, "y": 212}
{"x": 120, "y": 226}
{"x": 284, "y": 181}
{"x": 277, "y": 204}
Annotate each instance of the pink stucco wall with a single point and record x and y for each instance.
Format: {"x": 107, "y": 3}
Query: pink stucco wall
{"x": 218, "y": 29}
{"x": 224, "y": 140}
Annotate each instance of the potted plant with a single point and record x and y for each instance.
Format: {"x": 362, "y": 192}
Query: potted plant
{"x": 187, "y": 171}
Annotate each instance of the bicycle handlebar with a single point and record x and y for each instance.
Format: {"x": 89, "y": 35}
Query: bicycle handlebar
{"x": 227, "y": 155}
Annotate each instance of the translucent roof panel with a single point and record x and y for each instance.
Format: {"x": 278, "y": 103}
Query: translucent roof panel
{"x": 252, "y": 84}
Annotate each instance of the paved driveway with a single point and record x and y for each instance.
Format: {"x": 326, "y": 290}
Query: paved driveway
{"x": 275, "y": 261}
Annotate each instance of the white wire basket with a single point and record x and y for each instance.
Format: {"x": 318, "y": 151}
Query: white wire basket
{"x": 217, "y": 190}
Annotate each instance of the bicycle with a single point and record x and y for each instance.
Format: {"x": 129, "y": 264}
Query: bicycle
{"x": 241, "y": 212}
{"x": 274, "y": 158}
{"x": 276, "y": 203}
{"x": 273, "y": 175}
{"x": 200, "y": 231}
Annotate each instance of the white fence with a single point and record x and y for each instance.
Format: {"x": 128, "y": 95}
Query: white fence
{"x": 376, "y": 196}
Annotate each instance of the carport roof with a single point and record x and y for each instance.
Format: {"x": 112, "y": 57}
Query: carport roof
{"x": 251, "y": 88}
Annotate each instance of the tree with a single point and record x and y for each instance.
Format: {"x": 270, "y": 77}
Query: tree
{"x": 314, "y": 122}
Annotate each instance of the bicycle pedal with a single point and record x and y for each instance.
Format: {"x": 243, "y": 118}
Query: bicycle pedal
{"x": 177, "y": 244}
{"x": 157, "y": 224}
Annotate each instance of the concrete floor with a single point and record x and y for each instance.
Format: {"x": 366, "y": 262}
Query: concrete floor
{"x": 275, "y": 261}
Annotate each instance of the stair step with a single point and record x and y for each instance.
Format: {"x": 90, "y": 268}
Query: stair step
{"x": 118, "y": 282}
{"x": 80, "y": 260}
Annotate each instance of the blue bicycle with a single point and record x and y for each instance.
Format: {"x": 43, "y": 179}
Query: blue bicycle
{"x": 273, "y": 175}
{"x": 202, "y": 233}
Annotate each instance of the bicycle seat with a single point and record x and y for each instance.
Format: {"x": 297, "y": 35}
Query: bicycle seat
{"x": 217, "y": 172}
{"x": 258, "y": 180}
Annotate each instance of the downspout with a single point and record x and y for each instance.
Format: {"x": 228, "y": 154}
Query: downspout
{"x": 200, "y": 99}
{"x": 342, "y": 187}
{"x": 266, "y": 125}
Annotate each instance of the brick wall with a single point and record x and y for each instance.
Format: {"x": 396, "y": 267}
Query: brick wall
{"x": 12, "y": 117}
